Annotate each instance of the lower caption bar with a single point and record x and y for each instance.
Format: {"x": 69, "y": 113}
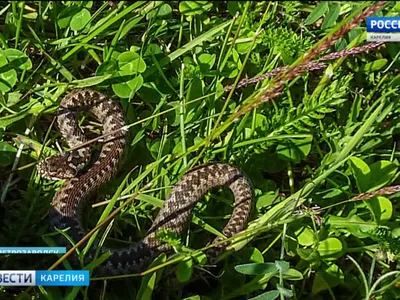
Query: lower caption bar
{"x": 33, "y": 250}
{"x": 44, "y": 278}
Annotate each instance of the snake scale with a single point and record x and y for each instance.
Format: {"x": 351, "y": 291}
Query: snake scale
{"x": 81, "y": 183}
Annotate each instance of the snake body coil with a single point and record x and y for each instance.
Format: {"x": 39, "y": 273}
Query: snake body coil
{"x": 67, "y": 204}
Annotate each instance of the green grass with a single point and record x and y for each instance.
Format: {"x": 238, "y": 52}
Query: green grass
{"x": 310, "y": 141}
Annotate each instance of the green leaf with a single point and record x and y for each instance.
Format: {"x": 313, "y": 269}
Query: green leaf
{"x": 282, "y": 266}
{"x": 294, "y": 149}
{"x": 255, "y": 255}
{"x": 65, "y": 16}
{"x": 292, "y": 274}
{"x": 382, "y": 173}
{"x": 329, "y": 246}
{"x": 310, "y": 255}
{"x": 18, "y": 59}
{"x": 375, "y": 65}
{"x": 353, "y": 224}
{"x": 206, "y": 62}
{"x": 329, "y": 277}
{"x": 80, "y": 20}
{"x": 361, "y": 173}
{"x": 13, "y": 98}
{"x": 270, "y": 295}
{"x": 317, "y": 13}
{"x": 266, "y": 199}
{"x": 184, "y": 270}
{"x": 189, "y": 8}
{"x": 305, "y": 236}
{"x": 257, "y": 269}
{"x": 7, "y": 80}
{"x": 370, "y": 178}
{"x": 135, "y": 84}
{"x": 164, "y": 10}
{"x": 130, "y": 87}
{"x": 381, "y": 208}
{"x": 284, "y": 291}
{"x": 7, "y": 155}
{"x": 131, "y": 62}
{"x": 108, "y": 67}
{"x": 332, "y": 16}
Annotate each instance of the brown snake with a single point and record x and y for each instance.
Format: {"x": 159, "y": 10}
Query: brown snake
{"x": 80, "y": 185}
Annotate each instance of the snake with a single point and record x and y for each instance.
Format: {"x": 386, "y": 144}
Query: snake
{"x": 82, "y": 178}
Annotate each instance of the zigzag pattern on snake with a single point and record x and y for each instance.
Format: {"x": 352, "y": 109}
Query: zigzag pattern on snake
{"x": 80, "y": 185}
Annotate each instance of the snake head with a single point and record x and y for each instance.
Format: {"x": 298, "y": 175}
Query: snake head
{"x": 62, "y": 167}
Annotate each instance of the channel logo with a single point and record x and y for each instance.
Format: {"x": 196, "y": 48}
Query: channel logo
{"x": 44, "y": 278}
{"x": 383, "y": 29}
{"x": 33, "y": 250}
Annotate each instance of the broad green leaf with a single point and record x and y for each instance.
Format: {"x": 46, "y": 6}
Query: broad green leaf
{"x": 317, "y": 13}
{"x": 327, "y": 278}
{"x": 18, "y": 59}
{"x": 305, "y": 236}
{"x": 190, "y": 8}
{"x": 108, "y": 67}
{"x": 266, "y": 199}
{"x": 255, "y": 255}
{"x": 257, "y": 269}
{"x": 370, "y": 178}
{"x": 184, "y": 270}
{"x": 200, "y": 257}
{"x": 282, "y": 266}
{"x": 131, "y": 62}
{"x": 13, "y": 98}
{"x": 233, "y": 7}
{"x": 294, "y": 149}
{"x": 80, "y": 20}
{"x": 329, "y": 246}
{"x": 65, "y": 16}
{"x": 230, "y": 69}
{"x": 7, "y": 80}
{"x": 310, "y": 255}
{"x": 382, "y": 172}
{"x": 381, "y": 208}
{"x": 292, "y": 274}
{"x": 354, "y": 224}
{"x": 270, "y": 295}
{"x": 284, "y": 291}
{"x": 136, "y": 83}
{"x": 206, "y": 62}
{"x": 7, "y": 154}
{"x": 164, "y": 10}
{"x": 128, "y": 88}
{"x": 375, "y": 65}
{"x": 332, "y": 16}
{"x": 122, "y": 90}
{"x": 361, "y": 173}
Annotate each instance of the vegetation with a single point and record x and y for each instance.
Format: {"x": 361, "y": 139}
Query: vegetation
{"x": 317, "y": 140}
